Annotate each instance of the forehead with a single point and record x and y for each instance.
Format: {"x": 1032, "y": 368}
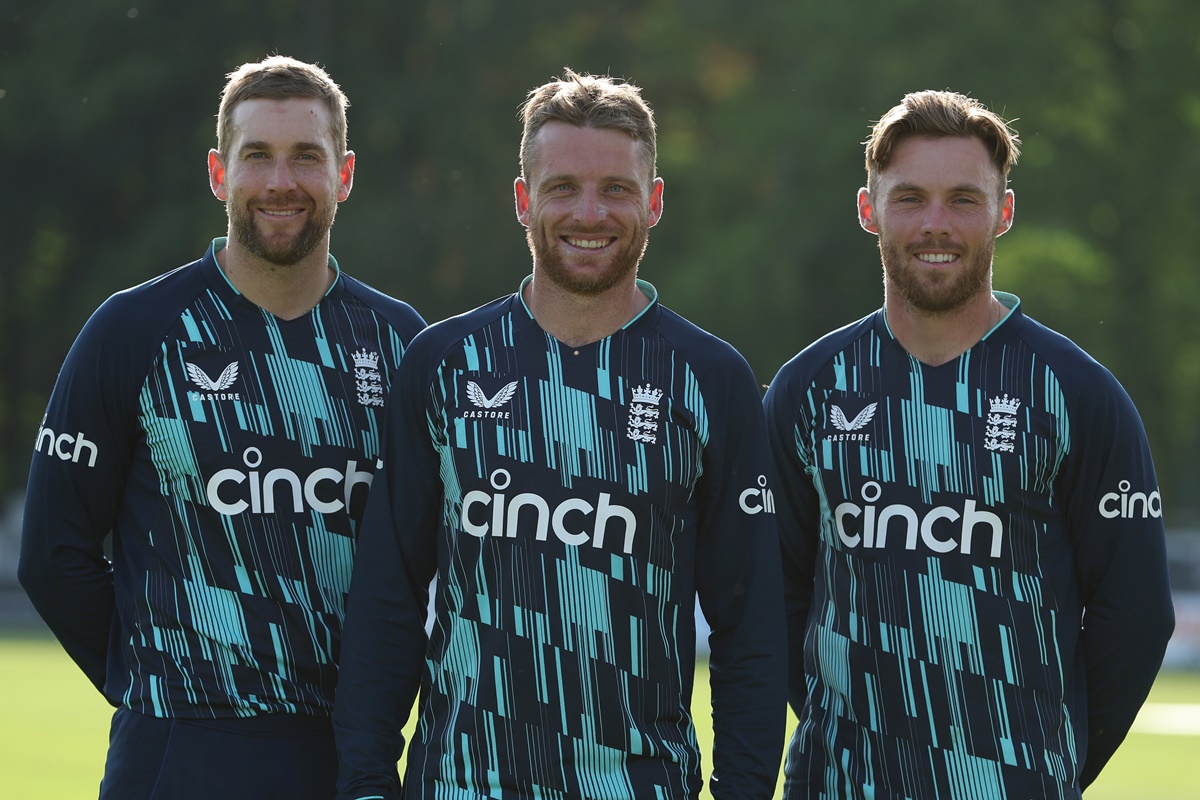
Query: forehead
{"x": 562, "y": 149}
{"x": 281, "y": 122}
{"x": 940, "y": 162}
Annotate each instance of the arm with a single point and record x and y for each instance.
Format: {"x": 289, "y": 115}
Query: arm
{"x": 384, "y": 640}
{"x": 741, "y": 596}
{"x": 1120, "y": 560}
{"x": 76, "y": 482}
{"x": 799, "y": 511}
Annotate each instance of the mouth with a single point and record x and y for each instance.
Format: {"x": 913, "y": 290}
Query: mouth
{"x": 281, "y": 213}
{"x": 937, "y": 258}
{"x": 590, "y": 243}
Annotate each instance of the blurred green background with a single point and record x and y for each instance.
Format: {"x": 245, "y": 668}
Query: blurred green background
{"x": 107, "y": 111}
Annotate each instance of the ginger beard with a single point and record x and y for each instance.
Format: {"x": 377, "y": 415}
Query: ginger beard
{"x": 278, "y": 249}
{"x": 931, "y": 289}
{"x": 548, "y": 258}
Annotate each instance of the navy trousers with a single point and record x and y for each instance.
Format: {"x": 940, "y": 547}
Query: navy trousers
{"x": 273, "y": 756}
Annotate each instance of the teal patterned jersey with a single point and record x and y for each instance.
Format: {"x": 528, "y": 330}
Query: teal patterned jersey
{"x": 573, "y": 503}
{"x": 974, "y": 565}
{"x": 228, "y": 452}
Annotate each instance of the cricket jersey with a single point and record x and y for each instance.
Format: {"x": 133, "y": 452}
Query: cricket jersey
{"x": 974, "y": 565}
{"x": 228, "y": 452}
{"x": 572, "y": 502}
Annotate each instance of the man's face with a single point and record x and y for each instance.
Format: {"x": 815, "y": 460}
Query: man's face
{"x": 937, "y": 208}
{"x": 588, "y": 204}
{"x": 283, "y": 179}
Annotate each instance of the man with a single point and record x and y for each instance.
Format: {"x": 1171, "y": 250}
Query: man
{"x": 973, "y": 540}
{"x": 575, "y": 463}
{"x": 222, "y": 421}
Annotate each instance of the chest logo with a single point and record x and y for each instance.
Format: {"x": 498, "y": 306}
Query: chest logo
{"x": 838, "y": 417}
{"x": 643, "y": 414}
{"x": 223, "y": 382}
{"x": 481, "y": 400}
{"x": 367, "y": 380}
{"x": 1001, "y": 431}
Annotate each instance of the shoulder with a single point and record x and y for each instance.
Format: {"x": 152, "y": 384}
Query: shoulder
{"x": 402, "y": 317}
{"x": 803, "y": 367}
{"x": 706, "y": 354}
{"x": 142, "y": 314}
{"x": 432, "y": 343}
{"x": 1074, "y": 370}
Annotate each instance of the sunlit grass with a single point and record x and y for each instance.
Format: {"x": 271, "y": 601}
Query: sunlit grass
{"x": 54, "y": 732}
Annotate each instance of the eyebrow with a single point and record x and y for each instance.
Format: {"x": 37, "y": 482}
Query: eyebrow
{"x": 551, "y": 180}
{"x": 296, "y": 148}
{"x": 969, "y": 188}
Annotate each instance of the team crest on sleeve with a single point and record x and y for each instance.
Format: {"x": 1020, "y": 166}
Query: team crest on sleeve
{"x": 643, "y": 414}
{"x": 1001, "y": 433}
{"x": 367, "y": 379}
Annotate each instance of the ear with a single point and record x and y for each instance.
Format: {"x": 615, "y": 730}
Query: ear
{"x": 656, "y": 201}
{"x": 1006, "y": 212}
{"x": 521, "y": 194}
{"x": 346, "y": 176}
{"x": 866, "y": 212}
{"x": 216, "y": 176}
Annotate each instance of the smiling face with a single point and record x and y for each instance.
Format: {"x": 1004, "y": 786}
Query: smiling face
{"x": 937, "y": 209}
{"x": 281, "y": 179}
{"x": 588, "y": 203}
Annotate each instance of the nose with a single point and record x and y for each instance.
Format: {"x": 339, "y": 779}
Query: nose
{"x": 590, "y": 208}
{"x": 281, "y": 177}
{"x": 936, "y": 223}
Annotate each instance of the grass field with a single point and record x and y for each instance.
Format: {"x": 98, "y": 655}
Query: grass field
{"x": 54, "y": 731}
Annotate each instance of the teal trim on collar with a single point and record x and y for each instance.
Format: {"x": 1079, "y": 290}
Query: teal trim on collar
{"x": 646, "y": 287}
{"x": 219, "y": 243}
{"x": 1009, "y": 301}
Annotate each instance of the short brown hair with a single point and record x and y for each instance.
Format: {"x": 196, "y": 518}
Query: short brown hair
{"x": 933, "y": 113}
{"x": 595, "y": 101}
{"x": 280, "y": 78}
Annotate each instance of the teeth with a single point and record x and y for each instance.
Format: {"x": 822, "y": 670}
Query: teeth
{"x": 271, "y": 213}
{"x": 588, "y": 244}
{"x": 937, "y": 258}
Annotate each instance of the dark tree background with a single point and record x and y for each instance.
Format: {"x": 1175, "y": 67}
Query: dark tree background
{"x": 107, "y": 111}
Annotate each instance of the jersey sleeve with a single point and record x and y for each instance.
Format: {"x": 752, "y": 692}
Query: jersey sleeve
{"x": 740, "y": 591}
{"x": 799, "y": 521}
{"x": 76, "y": 482}
{"x": 384, "y": 639}
{"x": 1115, "y": 511}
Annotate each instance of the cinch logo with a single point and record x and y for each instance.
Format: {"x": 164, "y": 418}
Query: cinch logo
{"x": 481, "y": 400}
{"x": 936, "y": 530}
{"x": 66, "y": 446}
{"x": 506, "y": 516}
{"x": 758, "y": 501}
{"x": 262, "y": 489}
{"x": 1126, "y": 505}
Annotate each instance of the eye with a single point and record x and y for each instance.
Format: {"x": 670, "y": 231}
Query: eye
{"x": 616, "y": 188}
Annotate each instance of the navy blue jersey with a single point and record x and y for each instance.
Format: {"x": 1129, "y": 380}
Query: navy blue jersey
{"x": 229, "y": 454}
{"x": 974, "y": 560}
{"x": 572, "y": 502}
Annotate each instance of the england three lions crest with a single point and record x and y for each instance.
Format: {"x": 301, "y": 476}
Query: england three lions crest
{"x": 643, "y": 414}
{"x": 367, "y": 379}
{"x": 1001, "y": 433}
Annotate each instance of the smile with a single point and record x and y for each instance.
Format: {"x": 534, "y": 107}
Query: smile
{"x": 588, "y": 244}
{"x": 281, "y": 213}
{"x": 937, "y": 258}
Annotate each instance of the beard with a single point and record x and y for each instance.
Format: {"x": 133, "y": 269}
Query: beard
{"x": 623, "y": 263}
{"x": 936, "y": 291}
{"x": 282, "y": 252}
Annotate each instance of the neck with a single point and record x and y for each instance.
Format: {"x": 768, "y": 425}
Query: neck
{"x": 287, "y": 292}
{"x": 937, "y": 338}
{"x": 577, "y": 319}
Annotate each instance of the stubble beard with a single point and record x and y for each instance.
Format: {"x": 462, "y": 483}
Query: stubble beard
{"x": 936, "y": 293}
{"x": 549, "y": 262}
{"x": 284, "y": 253}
